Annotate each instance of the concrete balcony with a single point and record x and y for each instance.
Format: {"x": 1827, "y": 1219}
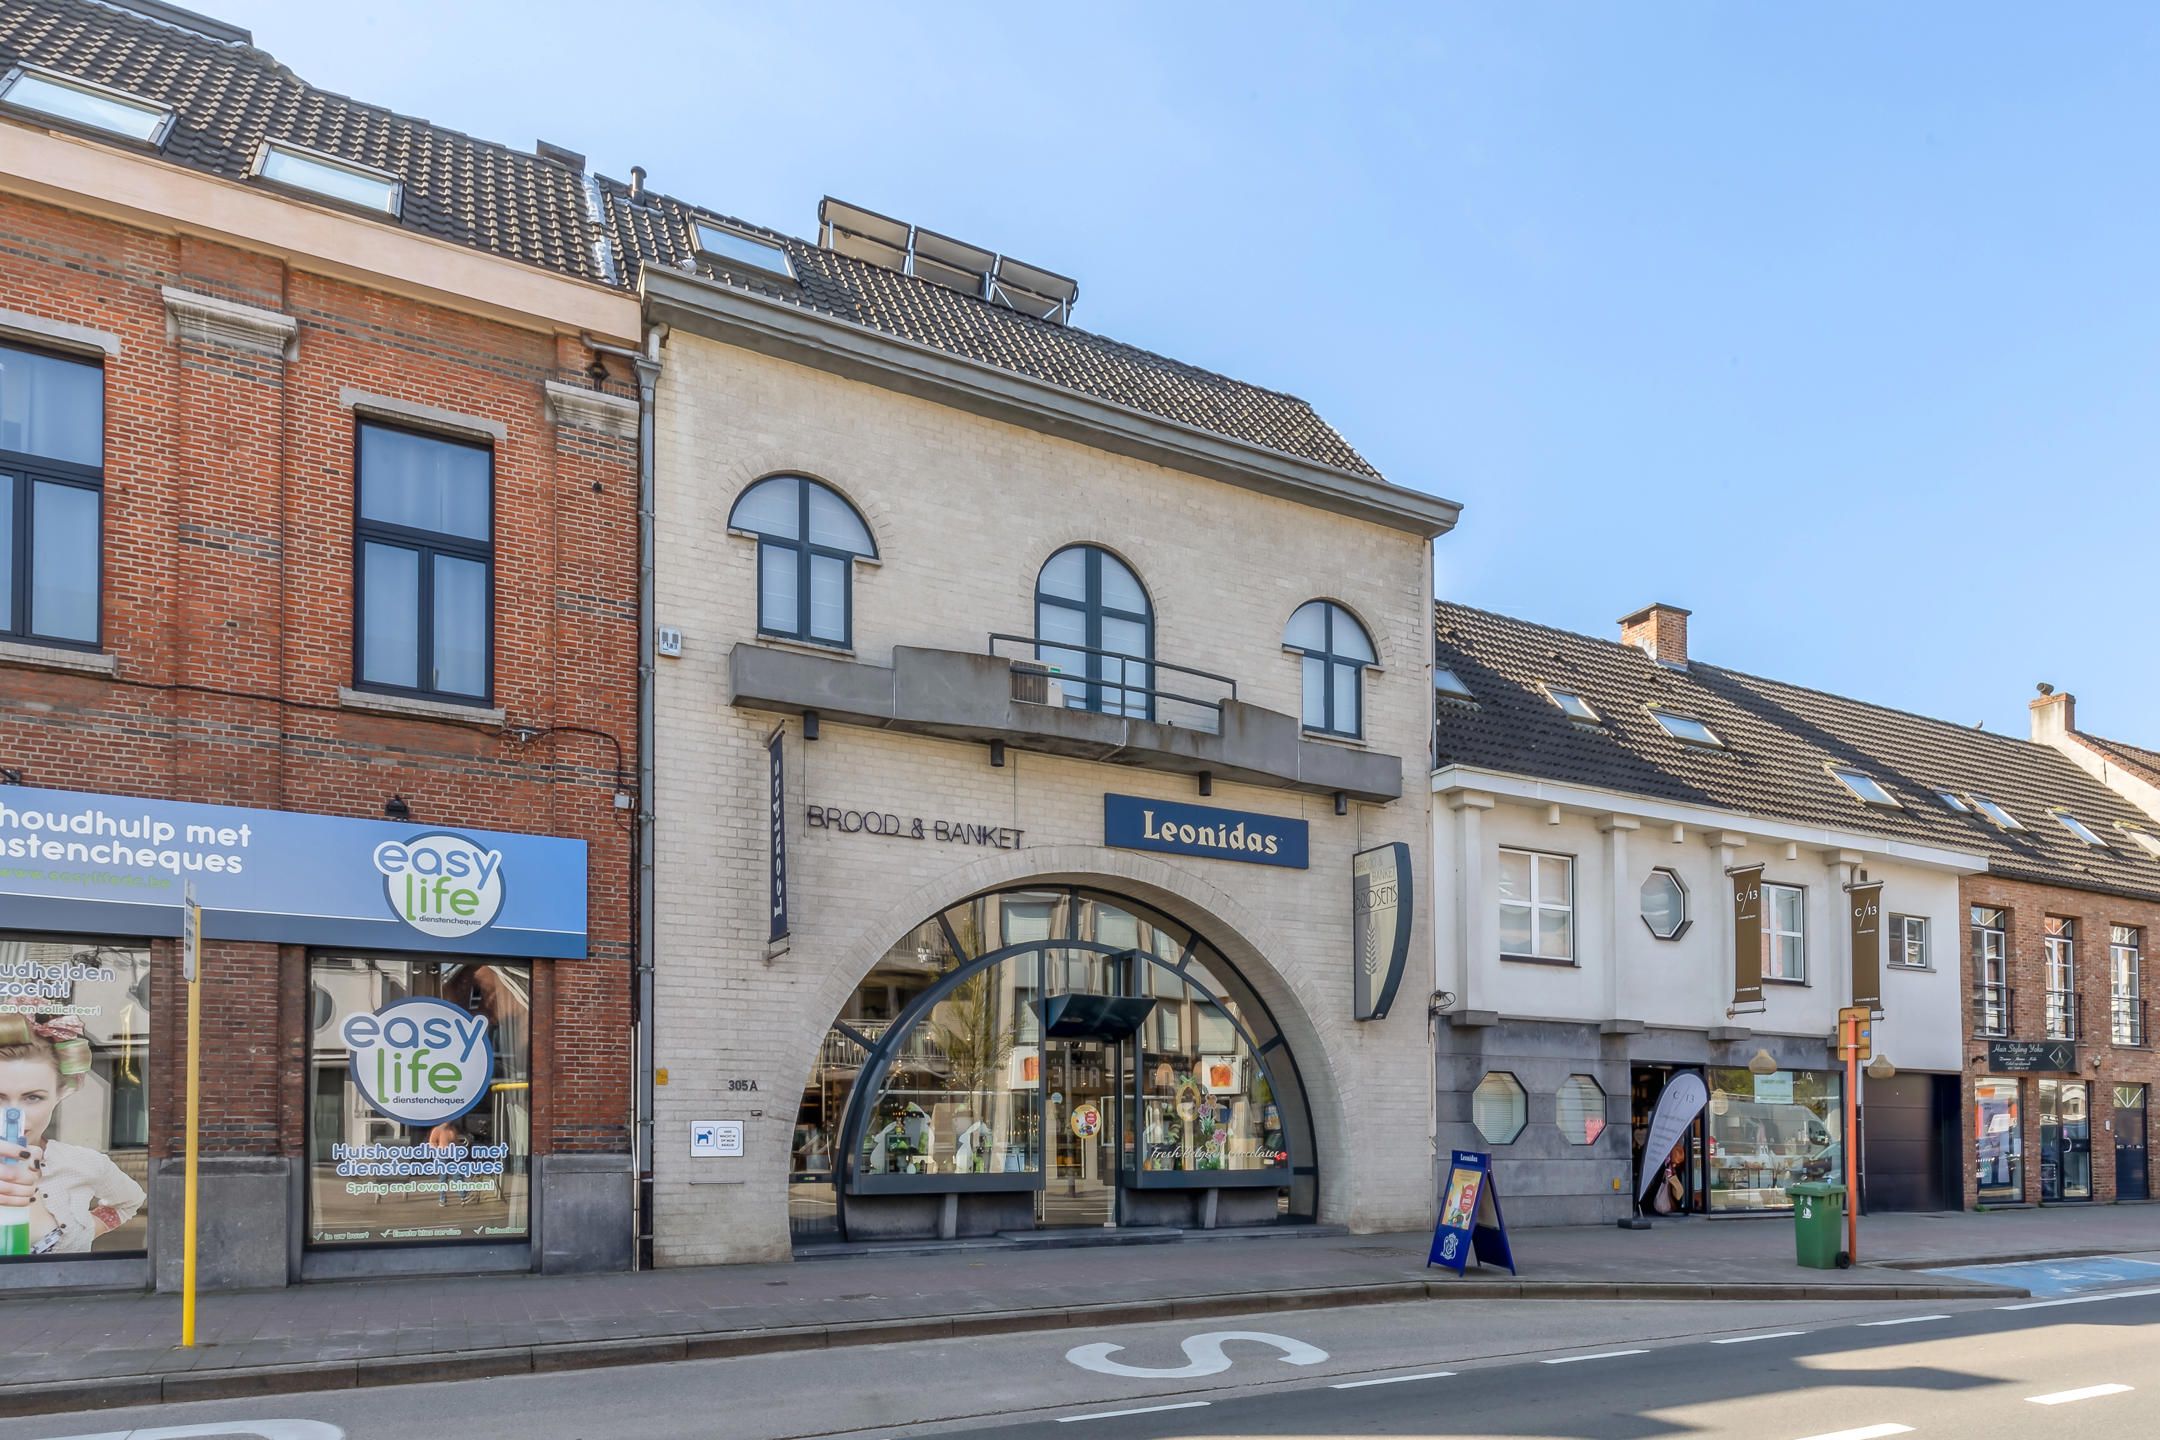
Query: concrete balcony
{"x": 959, "y": 695}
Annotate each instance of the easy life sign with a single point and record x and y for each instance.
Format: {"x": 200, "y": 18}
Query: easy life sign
{"x": 420, "y": 1061}
{"x": 108, "y": 864}
{"x": 1131, "y": 823}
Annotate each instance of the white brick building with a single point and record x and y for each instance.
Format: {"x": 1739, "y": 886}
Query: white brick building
{"x": 985, "y": 1017}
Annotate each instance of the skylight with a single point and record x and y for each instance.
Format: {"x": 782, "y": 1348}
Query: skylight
{"x": 1574, "y": 705}
{"x": 1952, "y": 802}
{"x": 2079, "y": 828}
{"x": 1865, "y": 786}
{"x": 2002, "y": 818}
{"x": 78, "y": 102}
{"x": 2146, "y": 840}
{"x": 1447, "y": 682}
{"x": 284, "y": 163}
{"x": 1687, "y": 729}
{"x": 749, "y": 251}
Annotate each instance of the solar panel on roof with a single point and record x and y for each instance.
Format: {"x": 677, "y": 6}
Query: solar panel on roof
{"x": 864, "y": 234}
{"x": 955, "y": 264}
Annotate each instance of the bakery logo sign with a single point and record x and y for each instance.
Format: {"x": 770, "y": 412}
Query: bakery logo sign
{"x": 420, "y": 1061}
{"x": 442, "y": 884}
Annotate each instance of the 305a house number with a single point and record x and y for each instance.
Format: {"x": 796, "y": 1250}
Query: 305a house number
{"x": 742, "y": 1084}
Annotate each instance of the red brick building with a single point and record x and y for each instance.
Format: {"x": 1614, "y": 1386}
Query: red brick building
{"x": 318, "y": 498}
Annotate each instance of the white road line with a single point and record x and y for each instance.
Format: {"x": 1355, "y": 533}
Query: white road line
{"x": 1749, "y": 1339}
{"x": 1902, "y": 1320}
{"x": 1143, "y": 1410}
{"x": 2090, "y": 1392}
{"x": 2083, "y": 1299}
{"x": 1865, "y": 1432}
{"x": 1392, "y": 1380}
{"x": 1601, "y": 1355}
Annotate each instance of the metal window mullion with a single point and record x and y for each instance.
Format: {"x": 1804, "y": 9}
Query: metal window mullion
{"x": 426, "y": 677}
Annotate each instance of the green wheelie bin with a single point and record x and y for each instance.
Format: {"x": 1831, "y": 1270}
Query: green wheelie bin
{"x": 1818, "y": 1209}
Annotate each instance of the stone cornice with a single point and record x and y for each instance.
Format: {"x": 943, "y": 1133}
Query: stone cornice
{"x": 210, "y": 320}
{"x": 592, "y": 410}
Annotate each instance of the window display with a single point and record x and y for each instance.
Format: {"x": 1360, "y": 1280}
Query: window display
{"x": 419, "y": 1101}
{"x": 1204, "y": 1102}
{"x": 1998, "y": 1140}
{"x": 74, "y": 1098}
{"x": 1768, "y": 1132}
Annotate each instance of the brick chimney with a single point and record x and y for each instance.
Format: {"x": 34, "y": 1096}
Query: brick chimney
{"x": 2054, "y": 714}
{"x": 1659, "y": 631}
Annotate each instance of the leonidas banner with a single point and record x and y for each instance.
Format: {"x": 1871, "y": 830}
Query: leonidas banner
{"x": 1865, "y": 908}
{"x": 1747, "y": 934}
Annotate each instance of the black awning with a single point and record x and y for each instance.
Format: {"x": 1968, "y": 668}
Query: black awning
{"x": 1092, "y": 1017}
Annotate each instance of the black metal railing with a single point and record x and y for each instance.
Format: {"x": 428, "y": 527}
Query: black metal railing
{"x": 1993, "y": 1010}
{"x": 2065, "y": 1012}
{"x": 2127, "y": 1014}
{"x": 1125, "y": 684}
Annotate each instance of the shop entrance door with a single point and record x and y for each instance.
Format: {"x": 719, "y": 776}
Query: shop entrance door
{"x": 1082, "y": 1118}
{"x": 1684, "y": 1192}
{"x": 2065, "y": 1141}
{"x": 2133, "y": 1181}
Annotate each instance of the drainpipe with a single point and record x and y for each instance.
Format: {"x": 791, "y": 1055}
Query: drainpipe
{"x": 647, "y": 365}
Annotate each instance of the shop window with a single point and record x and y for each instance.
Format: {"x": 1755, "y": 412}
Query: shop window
{"x": 1335, "y": 652}
{"x": 1665, "y": 905}
{"x": 425, "y": 585}
{"x": 1537, "y": 907}
{"x": 1784, "y": 933}
{"x": 1998, "y": 1141}
{"x": 1205, "y": 1102}
{"x": 1769, "y": 1132}
{"x": 809, "y": 540}
{"x": 1580, "y": 1109}
{"x": 1499, "y": 1108}
{"x": 1095, "y": 629}
{"x": 52, "y": 480}
{"x": 74, "y": 1077}
{"x": 961, "y": 1098}
{"x": 411, "y": 1140}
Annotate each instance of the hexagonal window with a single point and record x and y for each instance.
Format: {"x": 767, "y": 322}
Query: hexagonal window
{"x": 1499, "y": 1108}
{"x": 1580, "y": 1109}
{"x": 1664, "y": 904}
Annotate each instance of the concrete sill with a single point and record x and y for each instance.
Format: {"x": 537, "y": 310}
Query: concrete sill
{"x": 415, "y": 709}
{"x": 56, "y": 657}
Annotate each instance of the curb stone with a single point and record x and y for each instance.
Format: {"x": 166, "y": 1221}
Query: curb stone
{"x": 242, "y": 1382}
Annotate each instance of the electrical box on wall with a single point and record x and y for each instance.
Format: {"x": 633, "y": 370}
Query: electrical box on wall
{"x": 669, "y": 641}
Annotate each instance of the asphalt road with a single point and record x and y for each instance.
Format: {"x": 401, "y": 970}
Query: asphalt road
{"x": 1973, "y": 1370}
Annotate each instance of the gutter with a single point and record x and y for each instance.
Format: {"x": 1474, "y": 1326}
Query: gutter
{"x": 791, "y": 331}
{"x": 647, "y": 365}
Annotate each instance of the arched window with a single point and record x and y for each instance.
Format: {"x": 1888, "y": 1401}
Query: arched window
{"x": 808, "y": 542}
{"x": 1336, "y": 650}
{"x": 1093, "y": 624}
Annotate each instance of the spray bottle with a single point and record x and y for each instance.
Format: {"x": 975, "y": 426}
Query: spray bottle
{"x": 14, "y": 1219}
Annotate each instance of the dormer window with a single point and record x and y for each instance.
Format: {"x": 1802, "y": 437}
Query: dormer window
{"x": 1865, "y": 786}
{"x": 744, "y": 251}
{"x": 2003, "y": 819}
{"x": 1448, "y": 683}
{"x": 1573, "y": 706}
{"x": 2079, "y": 828}
{"x": 1687, "y": 730}
{"x": 54, "y": 96}
{"x": 298, "y": 168}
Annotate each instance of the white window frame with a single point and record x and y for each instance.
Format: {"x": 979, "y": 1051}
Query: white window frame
{"x": 2080, "y": 829}
{"x": 1666, "y": 719}
{"x": 699, "y": 225}
{"x": 394, "y": 208}
{"x": 1950, "y": 801}
{"x": 1996, "y": 815}
{"x": 1538, "y": 905}
{"x": 2059, "y": 962}
{"x": 2126, "y": 956}
{"x": 1909, "y": 943}
{"x": 160, "y": 115}
{"x": 1446, "y": 682}
{"x": 1772, "y": 934}
{"x": 1568, "y": 700}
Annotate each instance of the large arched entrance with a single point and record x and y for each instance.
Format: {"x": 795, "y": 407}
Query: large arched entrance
{"x": 1046, "y": 1056}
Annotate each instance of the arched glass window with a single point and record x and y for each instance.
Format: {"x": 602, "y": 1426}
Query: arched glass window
{"x": 1094, "y": 626}
{"x": 1336, "y": 651}
{"x": 808, "y": 542}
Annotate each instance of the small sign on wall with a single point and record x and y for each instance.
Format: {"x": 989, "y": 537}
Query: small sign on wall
{"x": 716, "y": 1139}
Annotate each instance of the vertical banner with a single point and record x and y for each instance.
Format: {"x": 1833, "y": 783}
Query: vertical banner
{"x": 1864, "y": 903}
{"x": 775, "y": 753}
{"x": 1747, "y": 934}
{"x": 1381, "y": 907}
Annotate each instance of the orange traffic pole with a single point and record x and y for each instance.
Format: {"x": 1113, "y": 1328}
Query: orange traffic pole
{"x": 1852, "y": 1140}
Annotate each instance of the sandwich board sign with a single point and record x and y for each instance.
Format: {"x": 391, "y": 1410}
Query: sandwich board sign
{"x": 1470, "y": 1221}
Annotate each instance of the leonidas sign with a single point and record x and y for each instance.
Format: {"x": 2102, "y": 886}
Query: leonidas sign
{"x": 1131, "y": 823}
{"x": 114, "y": 865}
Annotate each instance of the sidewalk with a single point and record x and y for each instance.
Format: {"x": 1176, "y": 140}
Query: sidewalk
{"x": 72, "y": 1351}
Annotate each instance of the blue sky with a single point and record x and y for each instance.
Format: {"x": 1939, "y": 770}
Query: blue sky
{"x": 1836, "y": 323}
